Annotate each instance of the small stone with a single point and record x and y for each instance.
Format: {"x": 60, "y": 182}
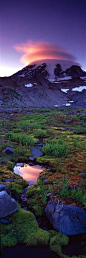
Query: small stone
{"x": 6, "y": 131}
{"x": 74, "y": 187}
{"x": 40, "y": 144}
{"x": 9, "y": 150}
{"x": 9, "y": 180}
{"x": 71, "y": 128}
{"x": 49, "y": 195}
{"x": 24, "y": 208}
{"x": 5, "y": 221}
{"x": 31, "y": 164}
{"x": 81, "y": 174}
{"x": 45, "y": 180}
{"x": 31, "y": 158}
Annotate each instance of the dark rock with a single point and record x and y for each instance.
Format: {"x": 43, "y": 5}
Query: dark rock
{"x": 2, "y": 187}
{"x": 40, "y": 144}
{"x": 31, "y": 183}
{"x": 36, "y": 152}
{"x": 25, "y": 208}
{"x": 58, "y": 70}
{"x": 49, "y": 195}
{"x": 74, "y": 187}
{"x": 71, "y": 128}
{"x": 9, "y": 180}
{"x": 67, "y": 219}
{"x": 1, "y": 162}
{"x": 67, "y": 121}
{"x": 31, "y": 158}
{"x": 81, "y": 174}
{"x": 31, "y": 164}
{"x": 45, "y": 180}
{"x": 75, "y": 71}
{"x": 63, "y": 129}
{"x": 5, "y": 221}
{"x": 9, "y": 150}
{"x": 8, "y": 205}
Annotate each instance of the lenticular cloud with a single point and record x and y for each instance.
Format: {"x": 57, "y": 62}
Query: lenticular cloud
{"x": 41, "y": 50}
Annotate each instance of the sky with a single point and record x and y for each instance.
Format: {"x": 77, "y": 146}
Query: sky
{"x": 36, "y": 29}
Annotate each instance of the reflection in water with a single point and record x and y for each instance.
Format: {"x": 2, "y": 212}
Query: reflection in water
{"x": 29, "y": 173}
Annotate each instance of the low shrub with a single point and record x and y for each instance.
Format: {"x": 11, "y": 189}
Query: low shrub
{"x": 40, "y": 133}
{"x": 21, "y": 138}
{"x": 56, "y": 149}
{"x": 10, "y": 165}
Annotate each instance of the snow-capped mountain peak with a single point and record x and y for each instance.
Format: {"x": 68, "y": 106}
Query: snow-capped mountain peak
{"x": 51, "y": 69}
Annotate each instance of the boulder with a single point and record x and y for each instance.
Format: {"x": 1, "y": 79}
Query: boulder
{"x": 2, "y": 187}
{"x": 36, "y": 152}
{"x": 67, "y": 219}
{"x": 8, "y": 205}
{"x": 9, "y": 150}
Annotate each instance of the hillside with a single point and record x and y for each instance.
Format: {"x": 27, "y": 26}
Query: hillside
{"x": 40, "y": 85}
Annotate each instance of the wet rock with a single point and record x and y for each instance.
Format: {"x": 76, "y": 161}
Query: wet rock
{"x": 31, "y": 183}
{"x": 9, "y": 150}
{"x": 49, "y": 195}
{"x": 5, "y": 221}
{"x": 31, "y": 164}
{"x": 67, "y": 219}
{"x": 20, "y": 164}
{"x": 8, "y": 204}
{"x": 31, "y": 158}
{"x": 2, "y": 187}
{"x": 25, "y": 208}
{"x": 40, "y": 144}
{"x": 36, "y": 152}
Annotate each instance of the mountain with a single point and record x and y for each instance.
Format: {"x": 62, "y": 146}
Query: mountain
{"x": 44, "y": 84}
{"x": 52, "y": 70}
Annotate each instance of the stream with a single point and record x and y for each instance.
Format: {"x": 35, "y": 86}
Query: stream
{"x": 76, "y": 244}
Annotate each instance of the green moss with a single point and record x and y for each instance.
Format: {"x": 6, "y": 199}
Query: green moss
{"x": 42, "y": 237}
{"x": 23, "y": 229}
{"x": 57, "y": 241}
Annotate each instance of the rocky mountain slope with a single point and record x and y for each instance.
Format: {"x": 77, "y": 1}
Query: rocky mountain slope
{"x": 40, "y": 85}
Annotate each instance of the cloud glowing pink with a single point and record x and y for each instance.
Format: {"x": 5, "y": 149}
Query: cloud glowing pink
{"x": 41, "y": 50}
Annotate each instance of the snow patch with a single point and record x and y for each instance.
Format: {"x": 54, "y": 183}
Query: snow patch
{"x": 83, "y": 77}
{"x": 56, "y": 106}
{"x": 29, "y": 85}
{"x": 65, "y": 90}
{"x": 64, "y": 78}
{"x": 80, "y": 88}
{"x": 51, "y": 65}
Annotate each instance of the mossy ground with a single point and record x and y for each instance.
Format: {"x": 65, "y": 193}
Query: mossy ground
{"x": 64, "y": 132}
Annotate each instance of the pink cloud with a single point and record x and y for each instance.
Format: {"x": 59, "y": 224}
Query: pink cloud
{"x": 41, "y": 50}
